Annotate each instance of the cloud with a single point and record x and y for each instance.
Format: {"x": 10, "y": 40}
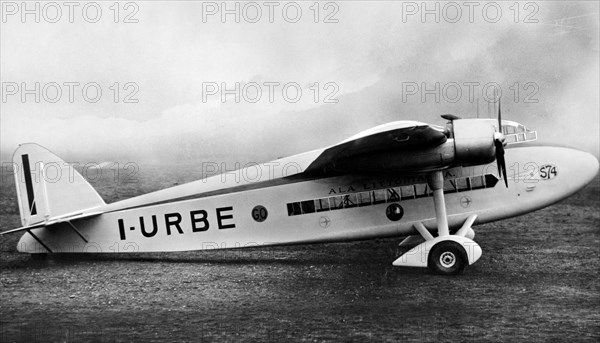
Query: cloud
{"x": 371, "y": 55}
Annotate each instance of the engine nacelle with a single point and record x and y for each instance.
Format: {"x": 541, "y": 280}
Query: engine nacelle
{"x": 473, "y": 142}
{"x": 400, "y": 161}
{"x": 467, "y": 142}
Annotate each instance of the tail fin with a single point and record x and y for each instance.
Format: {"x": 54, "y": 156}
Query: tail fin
{"x": 48, "y": 187}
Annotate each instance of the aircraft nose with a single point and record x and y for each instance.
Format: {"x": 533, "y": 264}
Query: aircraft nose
{"x": 560, "y": 172}
{"x": 580, "y": 168}
{"x": 587, "y": 165}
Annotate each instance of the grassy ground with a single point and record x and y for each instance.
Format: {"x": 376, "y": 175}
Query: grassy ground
{"x": 538, "y": 280}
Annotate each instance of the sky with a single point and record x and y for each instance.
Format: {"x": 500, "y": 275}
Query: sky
{"x": 155, "y": 81}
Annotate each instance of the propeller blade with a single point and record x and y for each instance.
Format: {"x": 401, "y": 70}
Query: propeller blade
{"x": 504, "y": 172}
{"x": 501, "y": 163}
{"x": 499, "y": 117}
{"x": 499, "y": 143}
{"x": 500, "y": 160}
{"x": 498, "y": 153}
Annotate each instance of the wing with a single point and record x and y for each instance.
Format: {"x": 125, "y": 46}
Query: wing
{"x": 396, "y": 137}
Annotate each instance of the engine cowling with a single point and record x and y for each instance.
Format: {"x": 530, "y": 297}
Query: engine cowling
{"x": 473, "y": 142}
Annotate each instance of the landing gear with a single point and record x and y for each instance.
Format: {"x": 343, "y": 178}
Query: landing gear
{"x": 445, "y": 254}
{"x": 447, "y": 258}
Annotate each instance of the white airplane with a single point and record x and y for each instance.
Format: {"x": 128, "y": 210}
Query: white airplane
{"x": 427, "y": 183}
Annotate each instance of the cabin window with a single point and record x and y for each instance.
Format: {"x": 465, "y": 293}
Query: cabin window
{"x": 450, "y": 186}
{"x": 335, "y": 203}
{"x": 308, "y": 206}
{"x": 392, "y": 195}
{"x": 463, "y": 184}
{"x": 378, "y": 196}
{"x": 349, "y": 200}
{"x": 408, "y": 192}
{"x": 422, "y": 190}
{"x": 294, "y": 209}
{"x": 364, "y": 199}
{"x": 477, "y": 182}
{"x": 322, "y": 204}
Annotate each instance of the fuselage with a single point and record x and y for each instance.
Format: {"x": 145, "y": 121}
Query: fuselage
{"x": 244, "y": 210}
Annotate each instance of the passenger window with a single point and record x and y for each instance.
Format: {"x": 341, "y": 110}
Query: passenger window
{"x": 408, "y": 192}
{"x": 392, "y": 195}
{"x": 335, "y": 203}
{"x": 477, "y": 182}
{"x": 349, "y": 200}
{"x": 308, "y": 206}
{"x": 294, "y": 209}
{"x": 463, "y": 184}
{"x": 378, "y": 196}
{"x": 421, "y": 190}
{"x": 450, "y": 186}
{"x": 322, "y": 205}
{"x": 364, "y": 199}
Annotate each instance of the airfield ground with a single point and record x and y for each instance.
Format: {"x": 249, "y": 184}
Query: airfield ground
{"x": 537, "y": 281}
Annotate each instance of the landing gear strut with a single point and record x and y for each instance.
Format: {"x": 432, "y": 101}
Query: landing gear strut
{"x": 445, "y": 254}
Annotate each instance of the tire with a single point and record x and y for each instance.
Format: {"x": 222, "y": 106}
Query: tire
{"x": 447, "y": 258}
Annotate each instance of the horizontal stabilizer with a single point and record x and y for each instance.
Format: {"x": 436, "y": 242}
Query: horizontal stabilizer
{"x": 52, "y": 221}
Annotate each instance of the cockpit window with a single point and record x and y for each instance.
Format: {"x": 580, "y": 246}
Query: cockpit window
{"x": 517, "y": 133}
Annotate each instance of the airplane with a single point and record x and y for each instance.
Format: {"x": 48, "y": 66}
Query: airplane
{"x": 427, "y": 183}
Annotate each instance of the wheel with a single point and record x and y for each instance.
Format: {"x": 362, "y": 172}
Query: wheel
{"x": 447, "y": 258}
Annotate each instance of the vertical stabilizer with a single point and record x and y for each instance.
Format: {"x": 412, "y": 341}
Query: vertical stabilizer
{"x": 48, "y": 187}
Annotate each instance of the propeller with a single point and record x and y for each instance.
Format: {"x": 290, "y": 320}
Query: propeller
{"x": 500, "y": 143}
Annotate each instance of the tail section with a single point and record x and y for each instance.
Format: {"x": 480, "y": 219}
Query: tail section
{"x": 48, "y": 187}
